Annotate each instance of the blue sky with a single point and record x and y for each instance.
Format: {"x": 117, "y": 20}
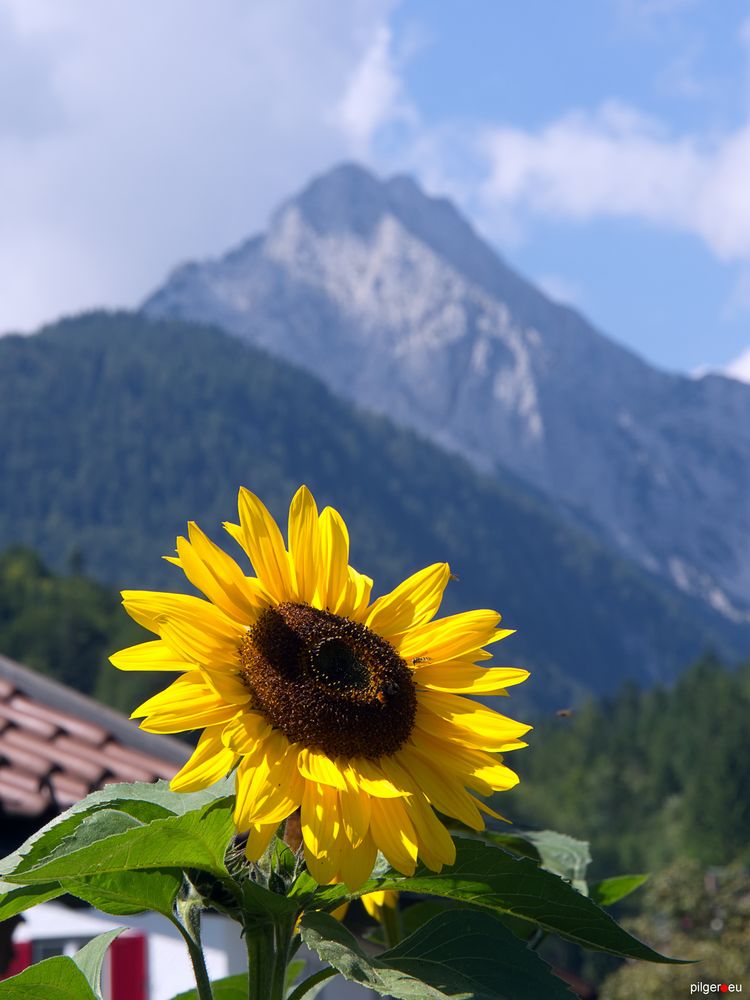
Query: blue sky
{"x": 603, "y": 146}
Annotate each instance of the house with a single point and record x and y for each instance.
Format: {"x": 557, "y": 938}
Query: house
{"x": 56, "y": 746}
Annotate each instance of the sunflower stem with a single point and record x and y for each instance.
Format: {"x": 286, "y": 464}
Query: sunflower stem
{"x": 268, "y": 948}
{"x": 187, "y": 919}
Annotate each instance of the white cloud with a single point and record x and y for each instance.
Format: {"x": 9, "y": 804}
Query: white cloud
{"x": 374, "y": 96}
{"x": 618, "y": 163}
{"x": 560, "y": 289}
{"x": 132, "y": 136}
{"x": 739, "y": 368}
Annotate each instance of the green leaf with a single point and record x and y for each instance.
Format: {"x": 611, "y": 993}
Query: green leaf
{"x": 514, "y": 842}
{"x": 16, "y": 898}
{"x": 489, "y": 877}
{"x": 90, "y": 958}
{"x": 195, "y": 839}
{"x": 231, "y": 988}
{"x": 159, "y": 793}
{"x": 562, "y": 855}
{"x": 125, "y": 893}
{"x": 293, "y": 972}
{"x": 56, "y": 978}
{"x": 461, "y": 954}
{"x": 612, "y": 890}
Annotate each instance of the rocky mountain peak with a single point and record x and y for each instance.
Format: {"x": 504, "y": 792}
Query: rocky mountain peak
{"x": 392, "y": 298}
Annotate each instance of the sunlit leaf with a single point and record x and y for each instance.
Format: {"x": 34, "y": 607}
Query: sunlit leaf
{"x": 612, "y": 890}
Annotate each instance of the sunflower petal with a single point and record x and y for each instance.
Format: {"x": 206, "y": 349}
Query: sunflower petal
{"x": 210, "y": 762}
{"x": 436, "y": 845}
{"x": 369, "y": 776}
{"x": 452, "y": 637}
{"x": 188, "y": 703}
{"x": 474, "y": 723}
{"x": 468, "y": 679}
{"x": 258, "y": 838}
{"x": 359, "y": 595}
{"x": 245, "y": 732}
{"x": 304, "y": 544}
{"x": 262, "y": 541}
{"x": 443, "y": 790}
{"x": 218, "y": 576}
{"x": 355, "y": 813}
{"x": 316, "y": 766}
{"x": 273, "y": 788}
{"x": 356, "y": 863}
{"x": 334, "y": 575}
{"x": 412, "y": 603}
{"x": 319, "y": 818}
{"x": 155, "y": 655}
{"x": 394, "y": 834}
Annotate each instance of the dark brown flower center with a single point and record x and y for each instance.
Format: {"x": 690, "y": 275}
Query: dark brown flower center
{"x": 328, "y": 682}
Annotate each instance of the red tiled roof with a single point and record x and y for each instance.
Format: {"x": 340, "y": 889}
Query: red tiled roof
{"x": 57, "y": 745}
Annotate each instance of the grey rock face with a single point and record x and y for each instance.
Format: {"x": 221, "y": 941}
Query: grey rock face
{"x": 391, "y": 298}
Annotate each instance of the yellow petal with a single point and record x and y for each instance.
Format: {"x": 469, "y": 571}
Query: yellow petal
{"x": 269, "y": 786}
{"x": 468, "y": 679}
{"x": 319, "y": 819}
{"x": 360, "y": 587}
{"x": 151, "y": 608}
{"x": 442, "y": 789}
{"x": 394, "y": 834}
{"x": 262, "y": 541}
{"x": 369, "y": 776}
{"x": 324, "y": 869}
{"x": 245, "y": 732}
{"x": 228, "y": 684}
{"x": 412, "y": 603}
{"x": 333, "y": 581}
{"x": 355, "y": 813}
{"x": 476, "y": 725}
{"x": 451, "y": 637}
{"x": 193, "y": 642}
{"x": 304, "y": 545}
{"x": 316, "y": 766}
{"x": 218, "y": 576}
{"x": 156, "y": 655}
{"x": 188, "y": 703}
{"x": 356, "y": 863}
{"x": 258, "y": 838}
{"x": 210, "y": 762}
{"x": 436, "y": 846}
{"x": 196, "y": 630}
{"x": 375, "y": 902}
{"x": 475, "y": 768}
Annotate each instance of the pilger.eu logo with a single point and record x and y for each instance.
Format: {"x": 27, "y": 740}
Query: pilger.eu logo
{"x": 716, "y": 987}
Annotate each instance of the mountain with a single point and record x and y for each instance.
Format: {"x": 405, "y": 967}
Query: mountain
{"x": 117, "y": 429}
{"x": 392, "y": 299}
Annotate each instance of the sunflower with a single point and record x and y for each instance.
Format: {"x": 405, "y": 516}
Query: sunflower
{"x": 351, "y": 710}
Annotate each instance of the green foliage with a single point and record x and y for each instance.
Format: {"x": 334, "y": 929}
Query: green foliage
{"x": 460, "y": 953}
{"x": 115, "y": 430}
{"x": 175, "y": 853}
{"x": 63, "y": 626}
{"x": 229, "y": 988}
{"x": 487, "y": 877}
{"x": 705, "y": 914}
{"x": 648, "y": 776}
{"x": 62, "y": 978}
{"x": 609, "y": 891}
